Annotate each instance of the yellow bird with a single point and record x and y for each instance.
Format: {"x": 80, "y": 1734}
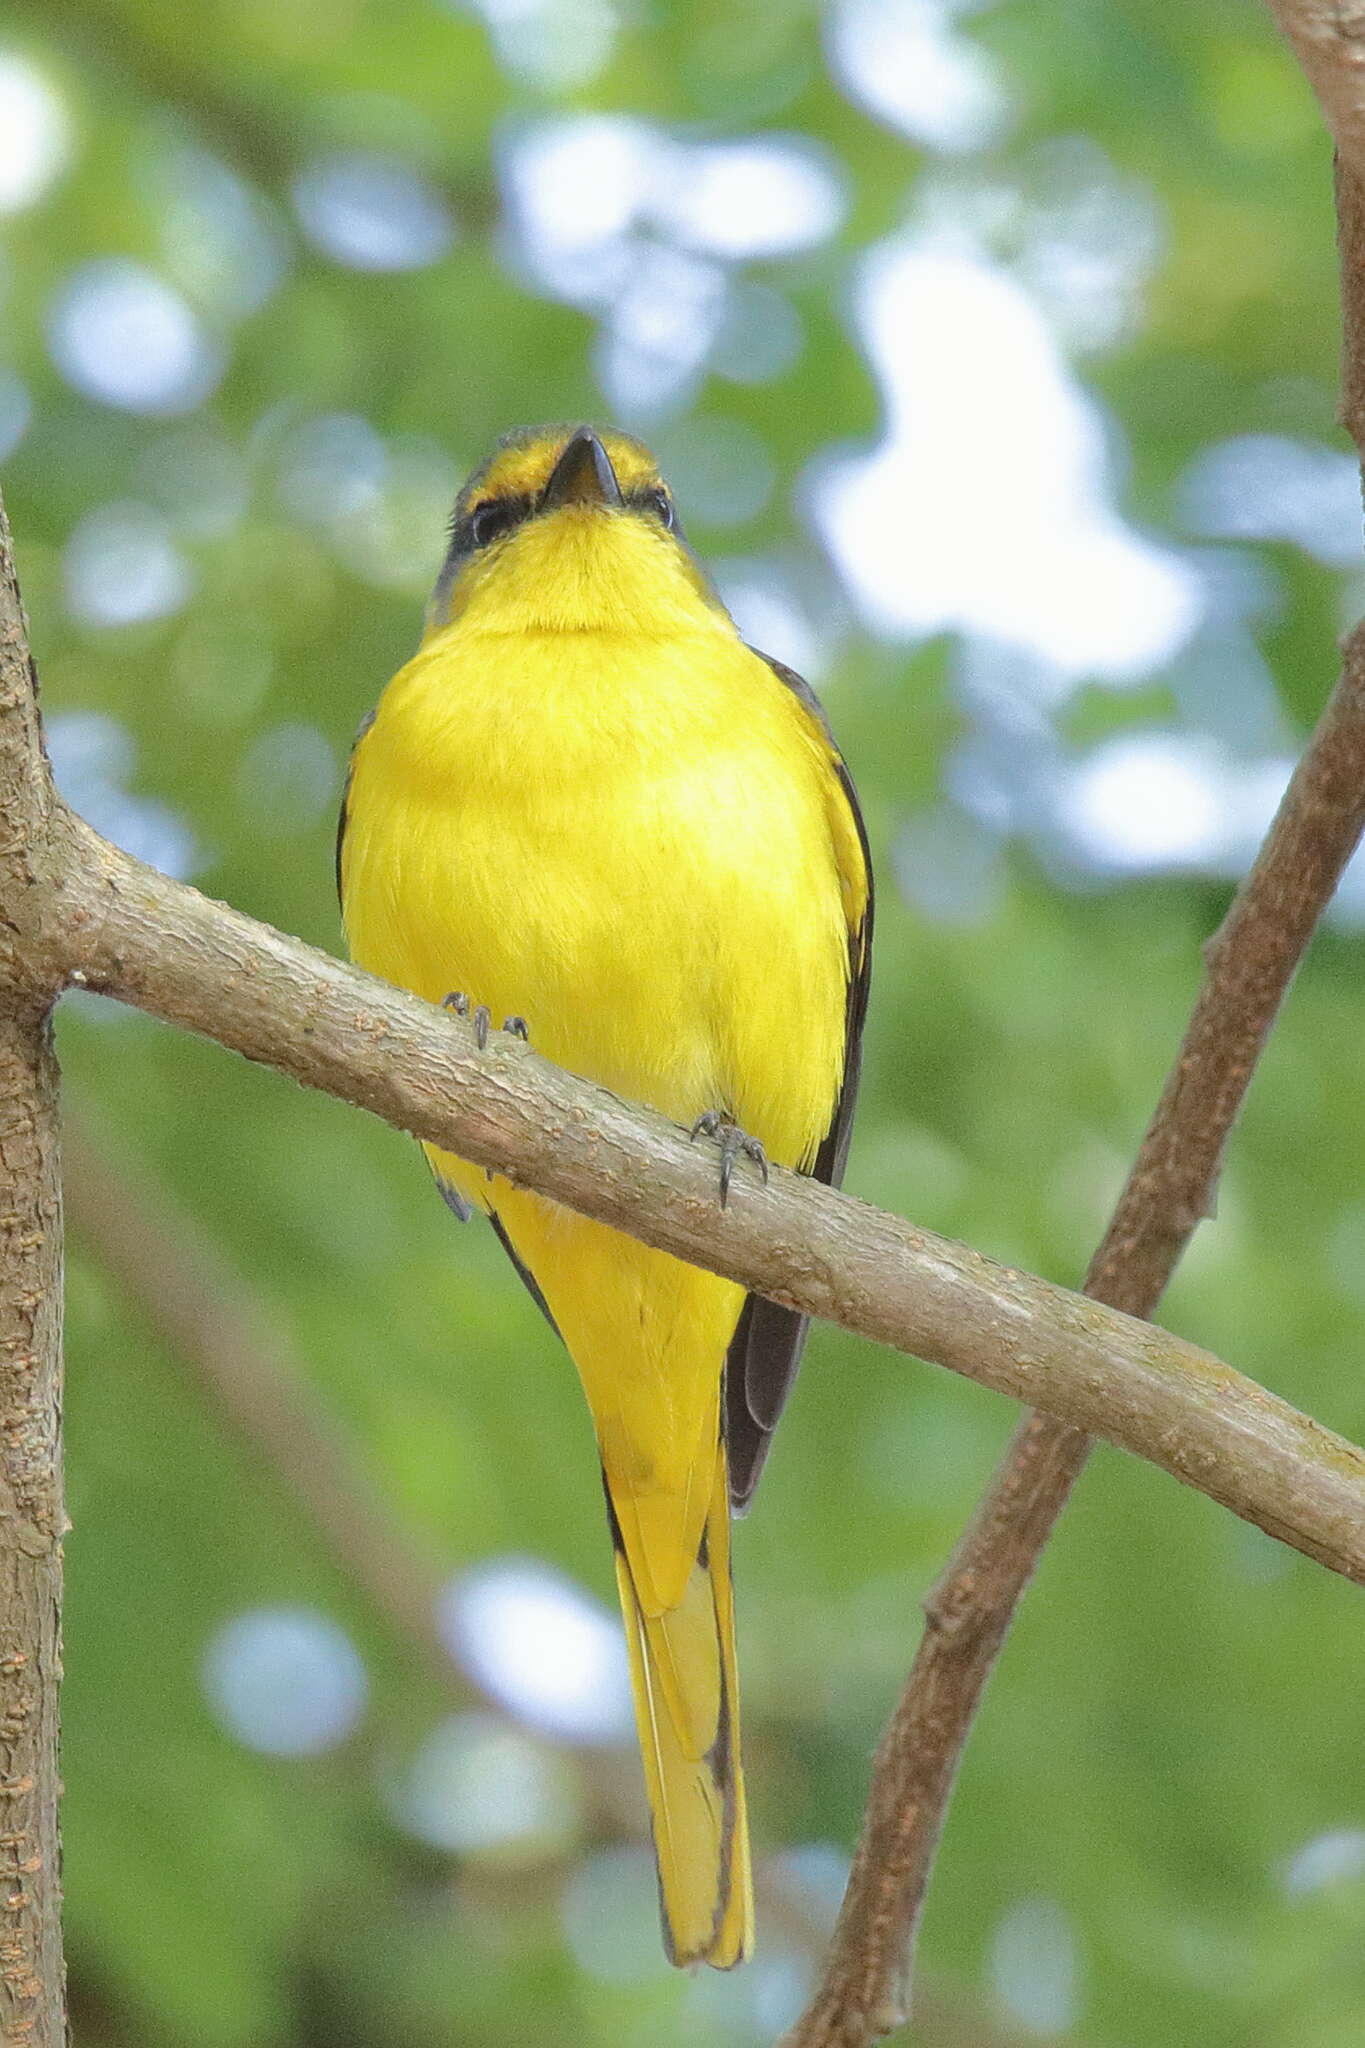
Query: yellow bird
{"x": 588, "y": 804}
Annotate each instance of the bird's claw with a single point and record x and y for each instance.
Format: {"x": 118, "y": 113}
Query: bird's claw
{"x": 482, "y": 1018}
{"x": 734, "y": 1144}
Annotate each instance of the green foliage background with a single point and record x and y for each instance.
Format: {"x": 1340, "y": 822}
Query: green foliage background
{"x": 1181, "y": 1710}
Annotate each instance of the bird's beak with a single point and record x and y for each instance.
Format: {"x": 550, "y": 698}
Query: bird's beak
{"x": 583, "y": 475}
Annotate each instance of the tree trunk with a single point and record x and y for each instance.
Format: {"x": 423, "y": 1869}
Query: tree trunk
{"x": 32, "y": 1523}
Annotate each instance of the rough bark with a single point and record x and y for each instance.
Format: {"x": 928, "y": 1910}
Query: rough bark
{"x": 32, "y": 1522}
{"x": 1328, "y": 38}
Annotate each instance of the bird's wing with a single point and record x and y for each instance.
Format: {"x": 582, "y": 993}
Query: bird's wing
{"x": 342, "y": 815}
{"x": 451, "y": 1196}
{"x": 768, "y": 1341}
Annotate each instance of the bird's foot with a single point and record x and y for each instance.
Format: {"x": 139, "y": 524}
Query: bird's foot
{"x": 734, "y": 1144}
{"x": 482, "y": 1019}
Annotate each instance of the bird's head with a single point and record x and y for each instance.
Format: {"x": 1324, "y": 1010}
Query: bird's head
{"x": 564, "y": 529}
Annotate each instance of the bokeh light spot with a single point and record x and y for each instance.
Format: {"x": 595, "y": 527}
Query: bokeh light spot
{"x": 988, "y": 507}
{"x": 221, "y": 241}
{"x": 122, "y": 567}
{"x": 92, "y": 759}
{"x": 907, "y": 62}
{"x": 372, "y": 212}
{"x": 542, "y": 1648}
{"x": 35, "y": 133}
{"x": 646, "y": 228}
{"x": 288, "y": 779}
{"x": 120, "y": 334}
{"x": 1154, "y": 800}
{"x": 1035, "y": 1967}
{"x": 1334, "y": 1857}
{"x": 1270, "y": 487}
{"x": 16, "y": 410}
{"x": 552, "y": 45}
{"x": 610, "y": 1914}
{"x": 331, "y": 466}
{"x": 479, "y": 1787}
{"x": 764, "y": 196}
{"x": 285, "y": 1680}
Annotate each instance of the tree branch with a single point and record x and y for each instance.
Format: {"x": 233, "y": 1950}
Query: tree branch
{"x": 129, "y": 932}
{"x": 1328, "y": 38}
{"x": 1250, "y": 962}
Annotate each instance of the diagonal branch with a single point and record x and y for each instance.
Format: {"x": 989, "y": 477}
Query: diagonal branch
{"x": 1250, "y": 963}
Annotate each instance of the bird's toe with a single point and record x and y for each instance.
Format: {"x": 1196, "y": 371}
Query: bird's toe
{"x": 734, "y": 1144}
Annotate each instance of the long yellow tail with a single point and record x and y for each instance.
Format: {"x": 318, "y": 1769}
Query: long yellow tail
{"x": 682, "y": 1666}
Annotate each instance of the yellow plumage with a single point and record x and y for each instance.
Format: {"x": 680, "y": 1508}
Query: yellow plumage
{"x": 588, "y": 803}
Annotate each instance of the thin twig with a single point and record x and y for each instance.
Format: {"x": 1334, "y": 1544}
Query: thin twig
{"x": 1250, "y": 962}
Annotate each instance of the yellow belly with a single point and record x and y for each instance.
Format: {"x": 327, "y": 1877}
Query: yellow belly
{"x": 631, "y": 842}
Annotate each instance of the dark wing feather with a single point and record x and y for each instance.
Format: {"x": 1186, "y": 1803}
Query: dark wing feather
{"x": 523, "y": 1271}
{"x": 766, "y": 1348}
{"x": 366, "y": 722}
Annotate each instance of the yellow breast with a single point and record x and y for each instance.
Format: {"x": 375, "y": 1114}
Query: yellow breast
{"x": 636, "y": 840}
{"x": 633, "y": 840}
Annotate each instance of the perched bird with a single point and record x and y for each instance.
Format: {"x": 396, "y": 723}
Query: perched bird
{"x": 588, "y": 804}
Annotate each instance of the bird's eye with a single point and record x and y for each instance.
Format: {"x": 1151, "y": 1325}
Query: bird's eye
{"x": 661, "y": 505}
{"x": 489, "y": 520}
